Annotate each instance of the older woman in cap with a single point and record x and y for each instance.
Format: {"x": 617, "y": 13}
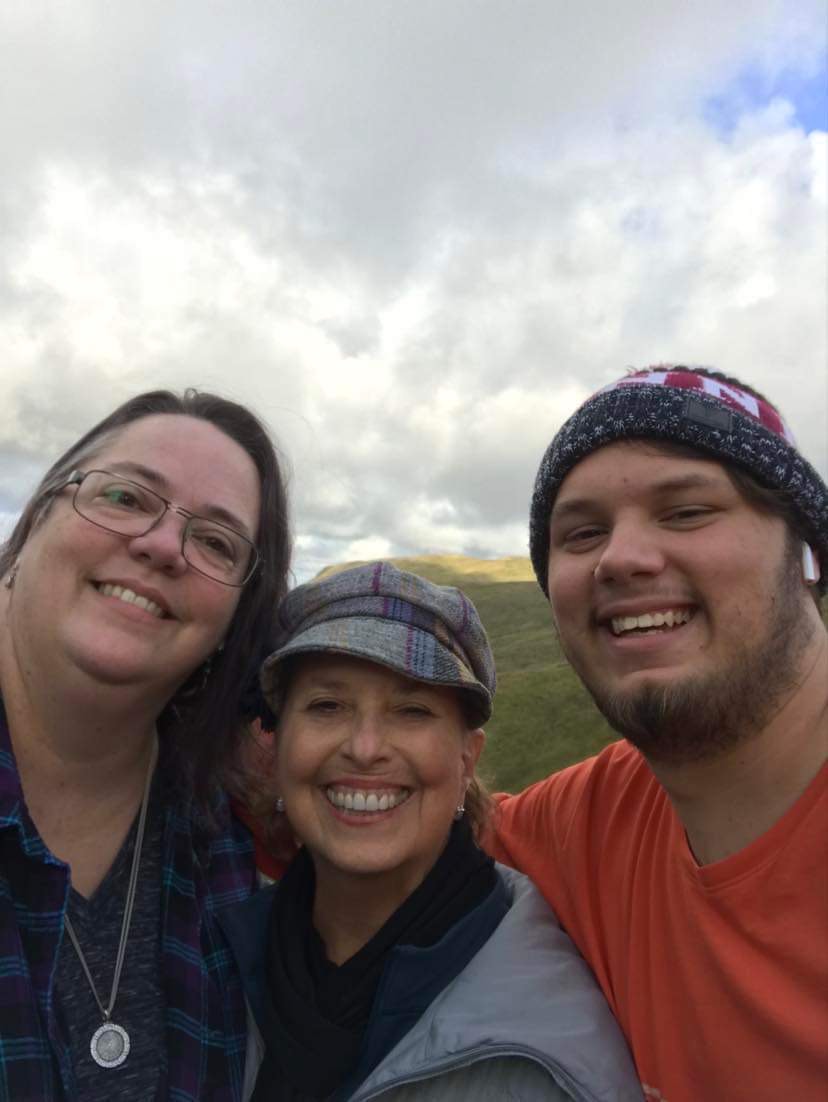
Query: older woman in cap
{"x": 395, "y": 960}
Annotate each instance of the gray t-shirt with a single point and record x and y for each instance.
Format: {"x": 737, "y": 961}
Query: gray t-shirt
{"x": 139, "y": 1006}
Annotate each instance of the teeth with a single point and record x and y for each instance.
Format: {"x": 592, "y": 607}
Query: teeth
{"x": 131, "y": 598}
{"x": 668, "y": 618}
{"x": 366, "y": 802}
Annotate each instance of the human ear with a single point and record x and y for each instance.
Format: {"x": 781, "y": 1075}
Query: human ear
{"x": 474, "y": 741}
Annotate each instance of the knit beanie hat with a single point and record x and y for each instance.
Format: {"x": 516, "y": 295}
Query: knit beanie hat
{"x": 720, "y": 419}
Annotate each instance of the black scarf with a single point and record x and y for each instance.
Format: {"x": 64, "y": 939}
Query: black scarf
{"x": 320, "y": 1010}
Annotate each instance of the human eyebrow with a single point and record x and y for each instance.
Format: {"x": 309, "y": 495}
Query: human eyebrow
{"x": 575, "y": 506}
{"x": 688, "y": 482}
{"x": 158, "y": 482}
{"x": 677, "y": 484}
{"x": 155, "y": 478}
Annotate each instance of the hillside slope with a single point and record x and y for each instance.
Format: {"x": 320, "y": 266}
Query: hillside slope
{"x": 543, "y": 719}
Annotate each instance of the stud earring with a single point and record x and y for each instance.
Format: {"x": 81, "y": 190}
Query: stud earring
{"x": 459, "y": 812}
{"x": 12, "y": 574}
{"x": 280, "y": 805}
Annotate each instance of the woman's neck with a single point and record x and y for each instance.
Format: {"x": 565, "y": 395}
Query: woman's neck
{"x": 82, "y": 754}
{"x": 83, "y": 807}
{"x": 348, "y": 910}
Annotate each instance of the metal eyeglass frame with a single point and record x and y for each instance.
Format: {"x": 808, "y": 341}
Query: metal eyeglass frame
{"x": 76, "y": 478}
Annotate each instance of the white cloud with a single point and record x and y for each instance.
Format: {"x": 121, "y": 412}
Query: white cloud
{"x": 412, "y": 236}
{"x": 7, "y": 522}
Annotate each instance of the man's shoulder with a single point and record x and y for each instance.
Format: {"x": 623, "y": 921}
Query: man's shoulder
{"x": 613, "y": 769}
{"x": 591, "y": 800}
{"x": 618, "y": 758}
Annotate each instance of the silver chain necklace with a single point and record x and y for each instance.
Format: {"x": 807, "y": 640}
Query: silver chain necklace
{"x": 110, "y": 1042}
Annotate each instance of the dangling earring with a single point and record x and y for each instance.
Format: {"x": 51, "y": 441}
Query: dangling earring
{"x": 192, "y": 687}
{"x": 280, "y": 805}
{"x": 206, "y": 670}
{"x": 12, "y": 574}
{"x": 459, "y": 812}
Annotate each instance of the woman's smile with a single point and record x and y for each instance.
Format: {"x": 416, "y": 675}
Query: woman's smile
{"x": 135, "y": 596}
{"x": 362, "y": 801}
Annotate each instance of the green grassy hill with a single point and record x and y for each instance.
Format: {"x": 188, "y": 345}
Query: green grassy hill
{"x": 543, "y": 718}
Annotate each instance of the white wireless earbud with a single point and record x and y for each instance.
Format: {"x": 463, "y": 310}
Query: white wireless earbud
{"x": 810, "y": 565}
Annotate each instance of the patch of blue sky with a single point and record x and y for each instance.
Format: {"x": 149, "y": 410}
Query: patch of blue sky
{"x": 755, "y": 88}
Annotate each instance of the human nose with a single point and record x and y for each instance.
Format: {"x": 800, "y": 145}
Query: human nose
{"x": 631, "y": 549}
{"x": 163, "y": 544}
{"x": 367, "y": 742}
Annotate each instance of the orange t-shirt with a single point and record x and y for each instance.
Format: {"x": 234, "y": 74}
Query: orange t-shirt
{"x": 719, "y": 974}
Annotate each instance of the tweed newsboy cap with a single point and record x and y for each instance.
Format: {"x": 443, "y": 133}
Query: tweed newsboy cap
{"x": 424, "y": 631}
{"x": 720, "y": 419}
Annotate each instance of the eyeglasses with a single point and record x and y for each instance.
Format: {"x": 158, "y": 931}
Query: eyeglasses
{"x": 130, "y": 509}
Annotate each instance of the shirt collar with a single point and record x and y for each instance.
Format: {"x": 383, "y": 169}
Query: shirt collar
{"x": 13, "y": 811}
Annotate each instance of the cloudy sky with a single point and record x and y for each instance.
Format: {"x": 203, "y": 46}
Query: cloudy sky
{"x": 412, "y": 234}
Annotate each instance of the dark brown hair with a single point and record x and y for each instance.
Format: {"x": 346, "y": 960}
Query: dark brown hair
{"x": 201, "y": 726}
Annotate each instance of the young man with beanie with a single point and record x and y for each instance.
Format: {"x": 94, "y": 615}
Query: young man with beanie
{"x": 682, "y": 541}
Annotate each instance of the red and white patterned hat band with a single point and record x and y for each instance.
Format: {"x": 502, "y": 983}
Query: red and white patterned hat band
{"x": 727, "y": 393}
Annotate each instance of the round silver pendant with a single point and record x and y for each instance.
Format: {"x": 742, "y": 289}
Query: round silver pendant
{"x": 109, "y": 1045}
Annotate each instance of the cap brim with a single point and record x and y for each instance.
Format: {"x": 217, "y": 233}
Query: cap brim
{"x": 407, "y": 650}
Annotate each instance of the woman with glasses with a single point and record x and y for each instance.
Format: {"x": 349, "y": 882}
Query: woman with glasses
{"x": 138, "y": 588}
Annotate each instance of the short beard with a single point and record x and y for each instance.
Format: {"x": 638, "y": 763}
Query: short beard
{"x": 701, "y": 718}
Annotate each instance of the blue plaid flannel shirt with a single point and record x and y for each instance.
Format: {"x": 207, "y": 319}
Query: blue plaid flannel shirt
{"x": 205, "y": 1010}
